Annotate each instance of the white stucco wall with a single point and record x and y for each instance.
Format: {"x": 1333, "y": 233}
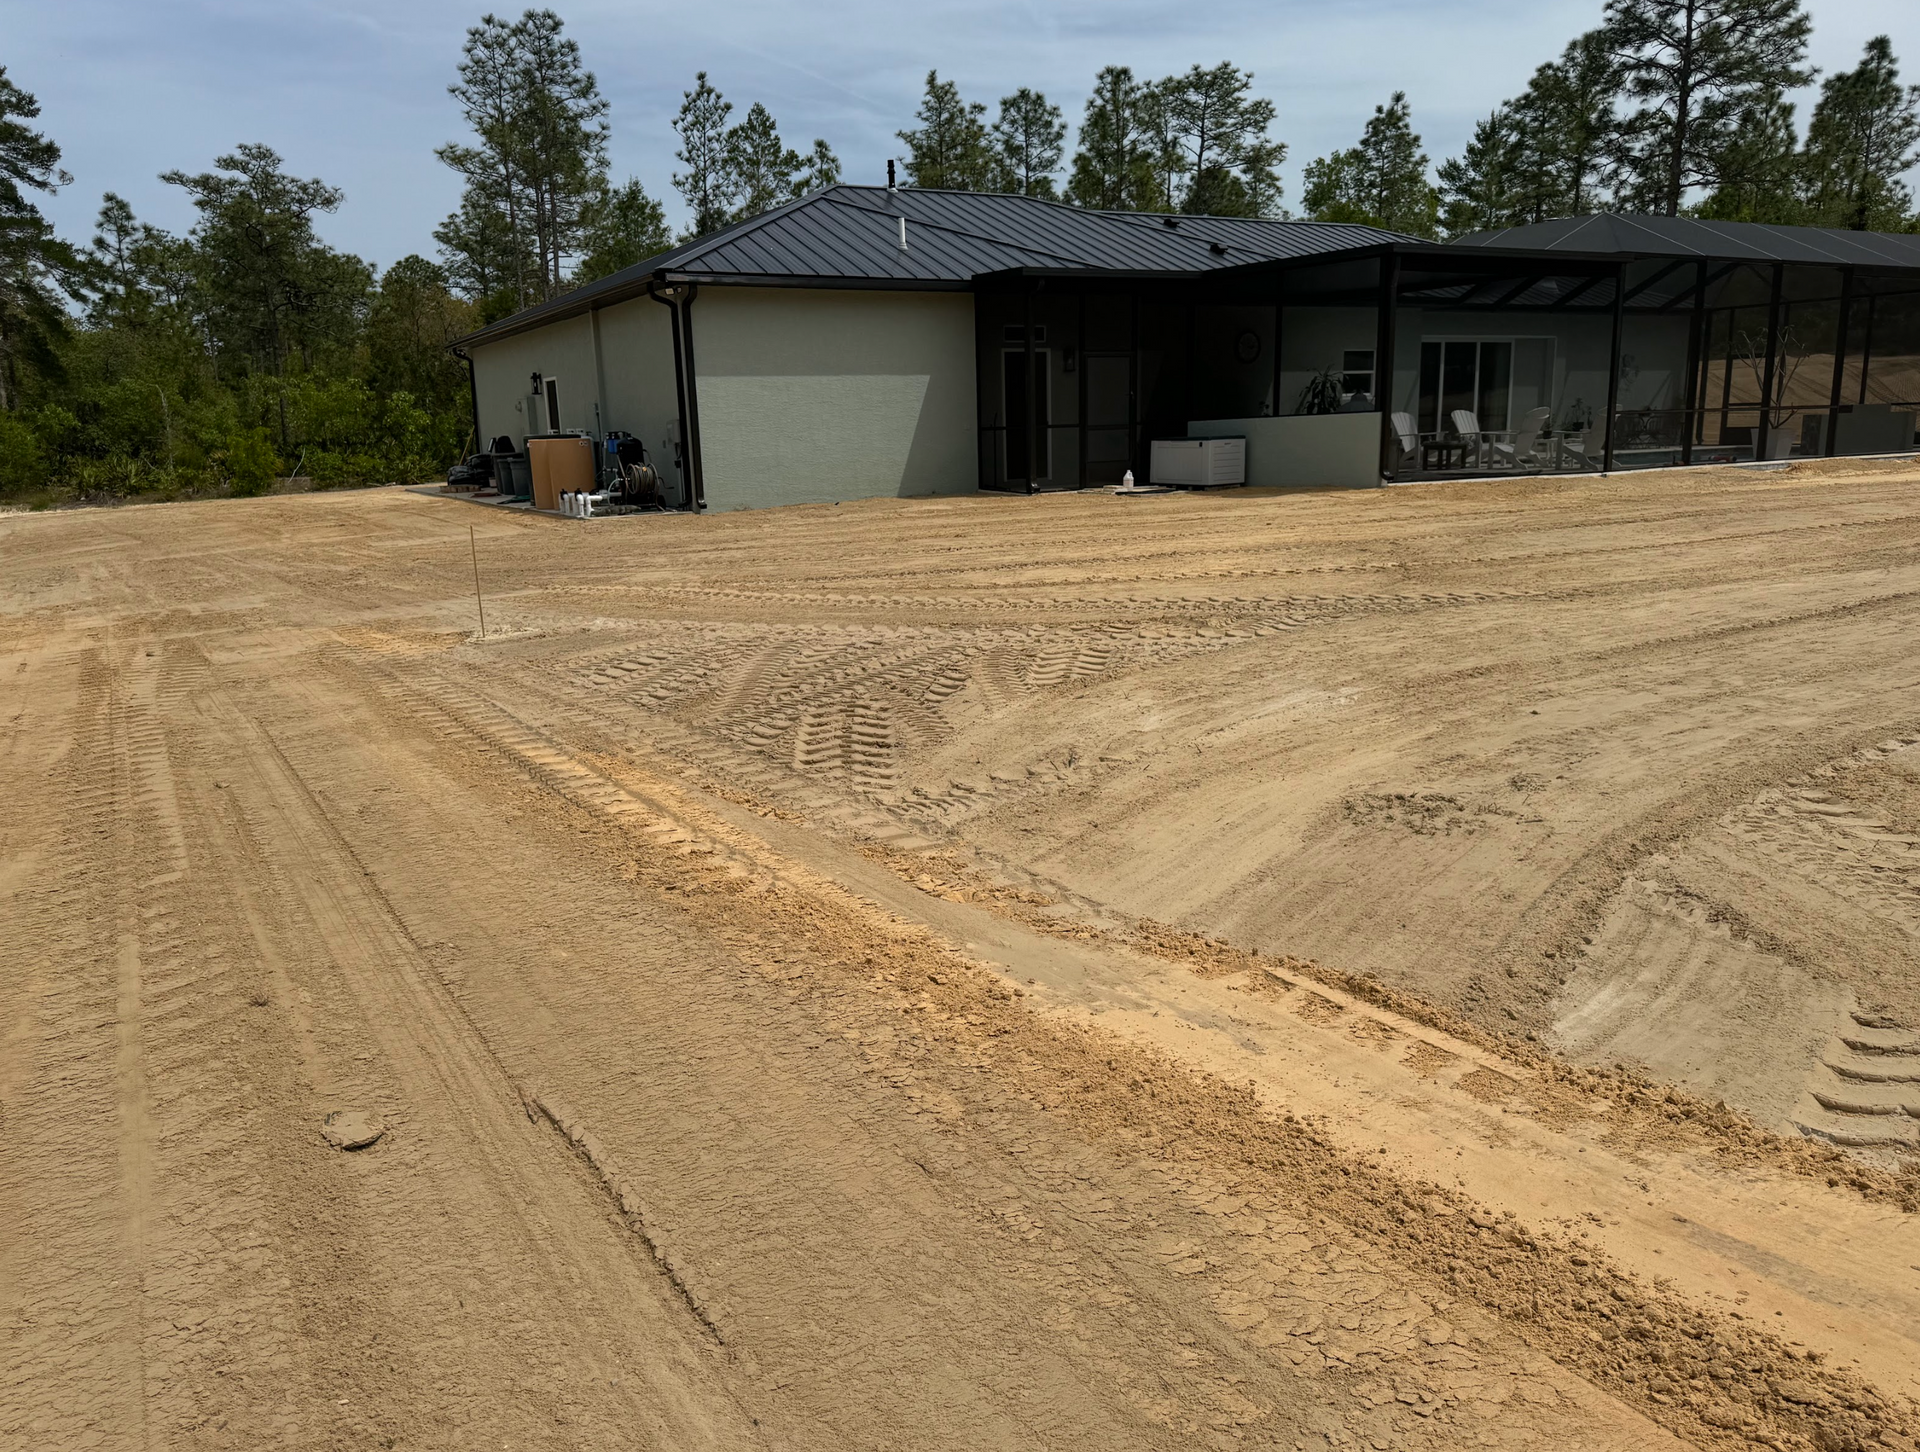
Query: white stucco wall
{"x": 811, "y": 396}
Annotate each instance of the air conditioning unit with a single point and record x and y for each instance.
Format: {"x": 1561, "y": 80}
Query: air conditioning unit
{"x": 1198, "y": 463}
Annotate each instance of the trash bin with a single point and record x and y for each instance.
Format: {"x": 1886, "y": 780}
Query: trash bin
{"x": 512, "y": 477}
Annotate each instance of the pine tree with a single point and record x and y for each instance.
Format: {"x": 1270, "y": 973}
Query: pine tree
{"x": 950, "y": 148}
{"x": 1758, "y": 166}
{"x": 623, "y": 226}
{"x": 1220, "y": 132}
{"x": 1478, "y": 189}
{"x": 1697, "y": 66}
{"x": 1166, "y": 156}
{"x": 484, "y": 258}
{"x": 1568, "y": 129}
{"x": 539, "y": 154}
{"x": 563, "y": 139}
{"x": 1381, "y": 182}
{"x": 1113, "y": 167}
{"x": 413, "y": 317}
{"x": 36, "y": 268}
{"x": 1863, "y": 136}
{"x": 117, "y": 294}
{"x": 763, "y": 167}
{"x": 822, "y": 168}
{"x": 487, "y": 234}
{"x": 709, "y": 183}
{"x": 274, "y": 289}
{"x": 1028, "y": 137}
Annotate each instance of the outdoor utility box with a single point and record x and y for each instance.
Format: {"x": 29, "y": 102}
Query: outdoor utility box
{"x": 561, "y": 465}
{"x": 1198, "y": 463}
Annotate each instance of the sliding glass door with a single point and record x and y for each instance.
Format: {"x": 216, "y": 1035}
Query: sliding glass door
{"x": 1465, "y": 375}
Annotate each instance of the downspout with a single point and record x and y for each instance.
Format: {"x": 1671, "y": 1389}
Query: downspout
{"x": 473, "y": 396}
{"x": 599, "y": 377}
{"x": 682, "y": 377}
{"x": 693, "y": 400}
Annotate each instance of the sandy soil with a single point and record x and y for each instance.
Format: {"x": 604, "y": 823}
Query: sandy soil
{"x": 1412, "y": 969}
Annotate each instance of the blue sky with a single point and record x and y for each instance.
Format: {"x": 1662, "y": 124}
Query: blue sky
{"x": 354, "y": 91}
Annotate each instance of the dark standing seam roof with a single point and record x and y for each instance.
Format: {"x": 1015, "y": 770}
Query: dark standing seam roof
{"x": 848, "y": 236}
{"x": 1692, "y": 237}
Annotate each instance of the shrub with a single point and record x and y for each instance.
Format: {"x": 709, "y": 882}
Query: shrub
{"x": 22, "y": 464}
{"x": 250, "y": 462}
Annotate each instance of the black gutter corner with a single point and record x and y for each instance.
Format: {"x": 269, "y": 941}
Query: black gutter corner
{"x": 686, "y": 399}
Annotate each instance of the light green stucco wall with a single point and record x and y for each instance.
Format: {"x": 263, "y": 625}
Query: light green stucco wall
{"x": 636, "y": 349}
{"x": 635, "y": 370}
{"x": 811, "y": 396}
{"x": 501, "y": 372}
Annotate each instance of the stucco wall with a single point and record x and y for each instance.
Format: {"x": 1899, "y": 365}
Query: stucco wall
{"x": 502, "y": 370}
{"x": 811, "y": 396}
{"x": 636, "y": 349}
{"x": 1316, "y": 338}
{"x": 1330, "y": 450}
{"x": 636, "y": 369}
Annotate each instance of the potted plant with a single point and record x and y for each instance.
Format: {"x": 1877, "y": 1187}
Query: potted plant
{"x": 1773, "y": 438}
{"x": 1322, "y": 393}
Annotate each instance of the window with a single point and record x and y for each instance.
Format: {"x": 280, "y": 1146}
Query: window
{"x": 1356, "y": 372}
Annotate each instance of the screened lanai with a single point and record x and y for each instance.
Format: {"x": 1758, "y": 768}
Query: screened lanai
{"x": 1403, "y": 361}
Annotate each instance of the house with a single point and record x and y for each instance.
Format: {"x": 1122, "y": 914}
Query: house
{"x": 864, "y": 342}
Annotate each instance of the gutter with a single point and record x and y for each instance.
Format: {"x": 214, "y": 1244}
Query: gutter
{"x": 685, "y": 386}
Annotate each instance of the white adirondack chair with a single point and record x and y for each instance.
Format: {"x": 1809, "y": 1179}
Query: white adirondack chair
{"x": 1406, "y": 435}
{"x": 1524, "y": 450}
{"x": 1584, "y": 450}
{"x": 1466, "y": 424}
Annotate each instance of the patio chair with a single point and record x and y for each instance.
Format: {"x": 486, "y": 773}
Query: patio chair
{"x": 1585, "y": 449}
{"x": 1407, "y": 436}
{"x": 1480, "y": 442}
{"x": 1526, "y": 447}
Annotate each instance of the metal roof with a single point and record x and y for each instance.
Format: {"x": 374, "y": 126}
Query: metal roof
{"x": 849, "y": 237}
{"x": 1651, "y": 236}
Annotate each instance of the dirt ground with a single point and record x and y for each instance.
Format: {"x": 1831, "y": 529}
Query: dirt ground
{"x": 1420, "y": 968}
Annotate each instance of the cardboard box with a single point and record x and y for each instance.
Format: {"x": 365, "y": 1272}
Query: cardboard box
{"x": 560, "y": 466}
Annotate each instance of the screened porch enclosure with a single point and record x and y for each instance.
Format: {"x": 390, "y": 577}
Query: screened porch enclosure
{"x": 1653, "y": 363}
{"x": 1079, "y": 374}
{"x": 1076, "y": 378}
{"x": 1464, "y": 360}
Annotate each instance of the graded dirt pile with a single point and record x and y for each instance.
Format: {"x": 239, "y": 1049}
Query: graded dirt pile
{"x": 1421, "y": 968}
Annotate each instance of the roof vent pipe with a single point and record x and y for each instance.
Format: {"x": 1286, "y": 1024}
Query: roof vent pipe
{"x": 890, "y": 181}
{"x": 903, "y": 234}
